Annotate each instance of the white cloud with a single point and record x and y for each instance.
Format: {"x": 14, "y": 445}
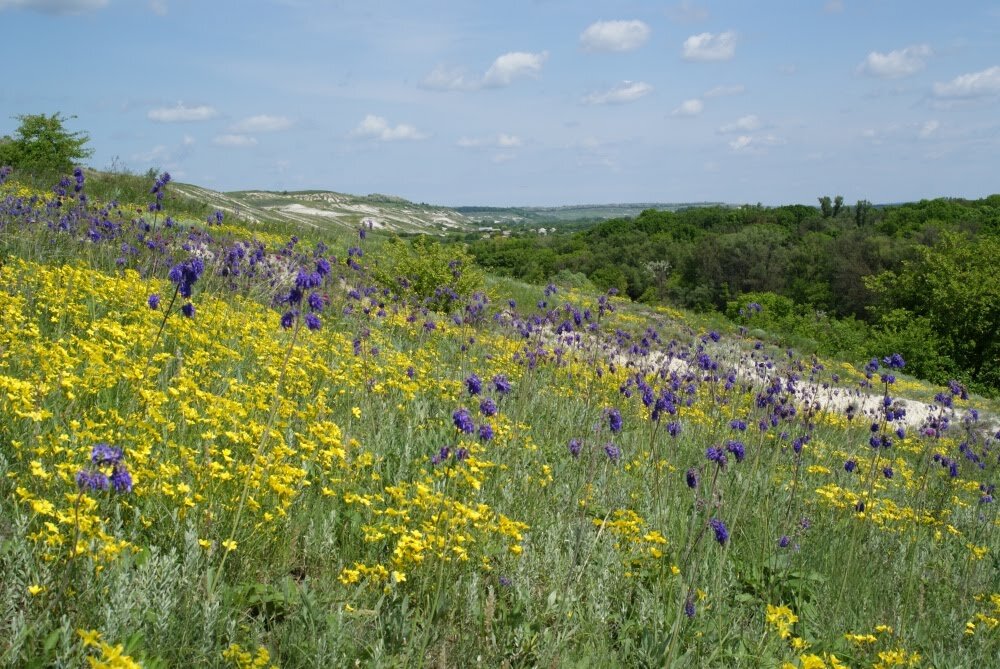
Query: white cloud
{"x": 181, "y": 114}
{"x": 376, "y": 127}
{"x": 706, "y": 47}
{"x": 234, "y": 140}
{"x": 513, "y": 65}
{"x": 158, "y": 7}
{"x": 896, "y": 64}
{"x": 751, "y": 143}
{"x": 972, "y": 85}
{"x": 261, "y": 123}
{"x": 928, "y": 128}
{"x": 504, "y": 70}
{"x": 723, "y": 91}
{"x": 747, "y": 123}
{"x": 741, "y": 142}
{"x": 691, "y": 107}
{"x": 188, "y": 140}
{"x": 687, "y": 12}
{"x": 55, "y": 6}
{"x": 627, "y": 91}
{"x": 833, "y": 7}
{"x": 502, "y": 140}
{"x": 444, "y": 78}
{"x": 614, "y": 36}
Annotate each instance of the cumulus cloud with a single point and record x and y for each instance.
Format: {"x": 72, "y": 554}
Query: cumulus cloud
{"x": 896, "y": 64}
{"x": 444, "y": 78}
{"x": 691, "y": 107}
{"x": 706, "y": 47}
{"x": 627, "y": 91}
{"x": 614, "y": 36}
{"x": 747, "y": 123}
{"x": 376, "y": 127}
{"x": 972, "y": 85}
{"x": 513, "y": 65}
{"x": 234, "y": 140}
{"x": 928, "y": 128}
{"x": 723, "y": 91}
{"x": 751, "y": 143}
{"x": 504, "y": 70}
{"x": 502, "y": 140}
{"x": 182, "y": 114}
{"x": 55, "y": 6}
{"x": 261, "y": 123}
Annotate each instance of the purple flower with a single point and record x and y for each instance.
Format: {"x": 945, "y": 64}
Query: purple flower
{"x": 691, "y": 477}
{"x": 315, "y": 302}
{"x": 574, "y": 447}
{"x": 614, "y": 420}
{"x": 613, "y": 452}
{"x": 121, "y": 480}
{"x": 673, "y": 428}
{"x": 887, "y": 472}
{"x": 488, "y": 407}
{"x": 153, "y": 301}
{"x": 441, "y": 455}
{"x": 88, "y": 480}
{"x": 474, "y": 384}
{"x": 784, "y": 541}
{"x": 313, "y": 322}
{"x": 463, "y": 420}
{"x": 717, "y": 455}
{"x": 850, "y": 466}
{"x": 689, "y": 609}
{"x": 738, "y": 424}
{"x": 501, "y": 384}
{"x": 721, "y": 532}
{"x": 106, "y": 454}
{"x": 485, "y": 432}
{"x": 737, "y": 449}
{"x": 894, "y": 361}
{"x": 288, "y": 319}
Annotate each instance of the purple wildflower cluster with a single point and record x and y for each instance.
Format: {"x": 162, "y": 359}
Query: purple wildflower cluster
{"x": 95, "y": 477}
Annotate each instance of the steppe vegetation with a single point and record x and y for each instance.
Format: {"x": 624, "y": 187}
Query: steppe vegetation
{"x": 224, "y": 446}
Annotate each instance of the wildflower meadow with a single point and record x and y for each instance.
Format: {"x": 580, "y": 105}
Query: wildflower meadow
{"x": 235, "y": 445}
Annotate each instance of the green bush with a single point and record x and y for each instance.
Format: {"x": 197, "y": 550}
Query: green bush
{"x": 428, "y": 271}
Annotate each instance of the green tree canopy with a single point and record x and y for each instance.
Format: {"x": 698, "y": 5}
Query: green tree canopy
{"x": 43, "y": 147}
{"x": 954, "y": 290}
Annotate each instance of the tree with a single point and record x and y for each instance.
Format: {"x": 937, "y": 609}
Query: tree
{"x": 954, "y": 288}
{"x": 43, "y": 147}
{"x": 824, "y": 206}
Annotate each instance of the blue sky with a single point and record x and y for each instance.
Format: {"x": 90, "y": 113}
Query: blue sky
{"x": 541, "y": 102}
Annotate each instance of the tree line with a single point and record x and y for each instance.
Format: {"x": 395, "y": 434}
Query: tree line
{"x": 918, "y": 271}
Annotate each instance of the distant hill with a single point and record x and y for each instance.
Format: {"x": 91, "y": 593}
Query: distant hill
{"x": 320, "y": 209}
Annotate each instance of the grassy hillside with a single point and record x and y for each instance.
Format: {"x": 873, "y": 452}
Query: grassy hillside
{"x": 227, "y": 446}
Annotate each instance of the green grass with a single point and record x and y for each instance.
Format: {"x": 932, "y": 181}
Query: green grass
{"x": 311, "y": 454}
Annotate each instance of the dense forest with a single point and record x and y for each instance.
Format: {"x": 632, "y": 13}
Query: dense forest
{"x": 918, "y": 276}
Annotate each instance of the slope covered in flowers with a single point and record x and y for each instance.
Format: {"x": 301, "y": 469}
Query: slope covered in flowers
{"x": 228, "y": 449}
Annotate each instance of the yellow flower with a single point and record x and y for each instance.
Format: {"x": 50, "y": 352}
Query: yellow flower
{"x": 36, "y": 589}
{"x": 229, "y": 545}
{"x": 205, "y": 543}
{"x": 89, "y": 637}
{"x": 781, "y": 618}
{"x": 811, "y": 662}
